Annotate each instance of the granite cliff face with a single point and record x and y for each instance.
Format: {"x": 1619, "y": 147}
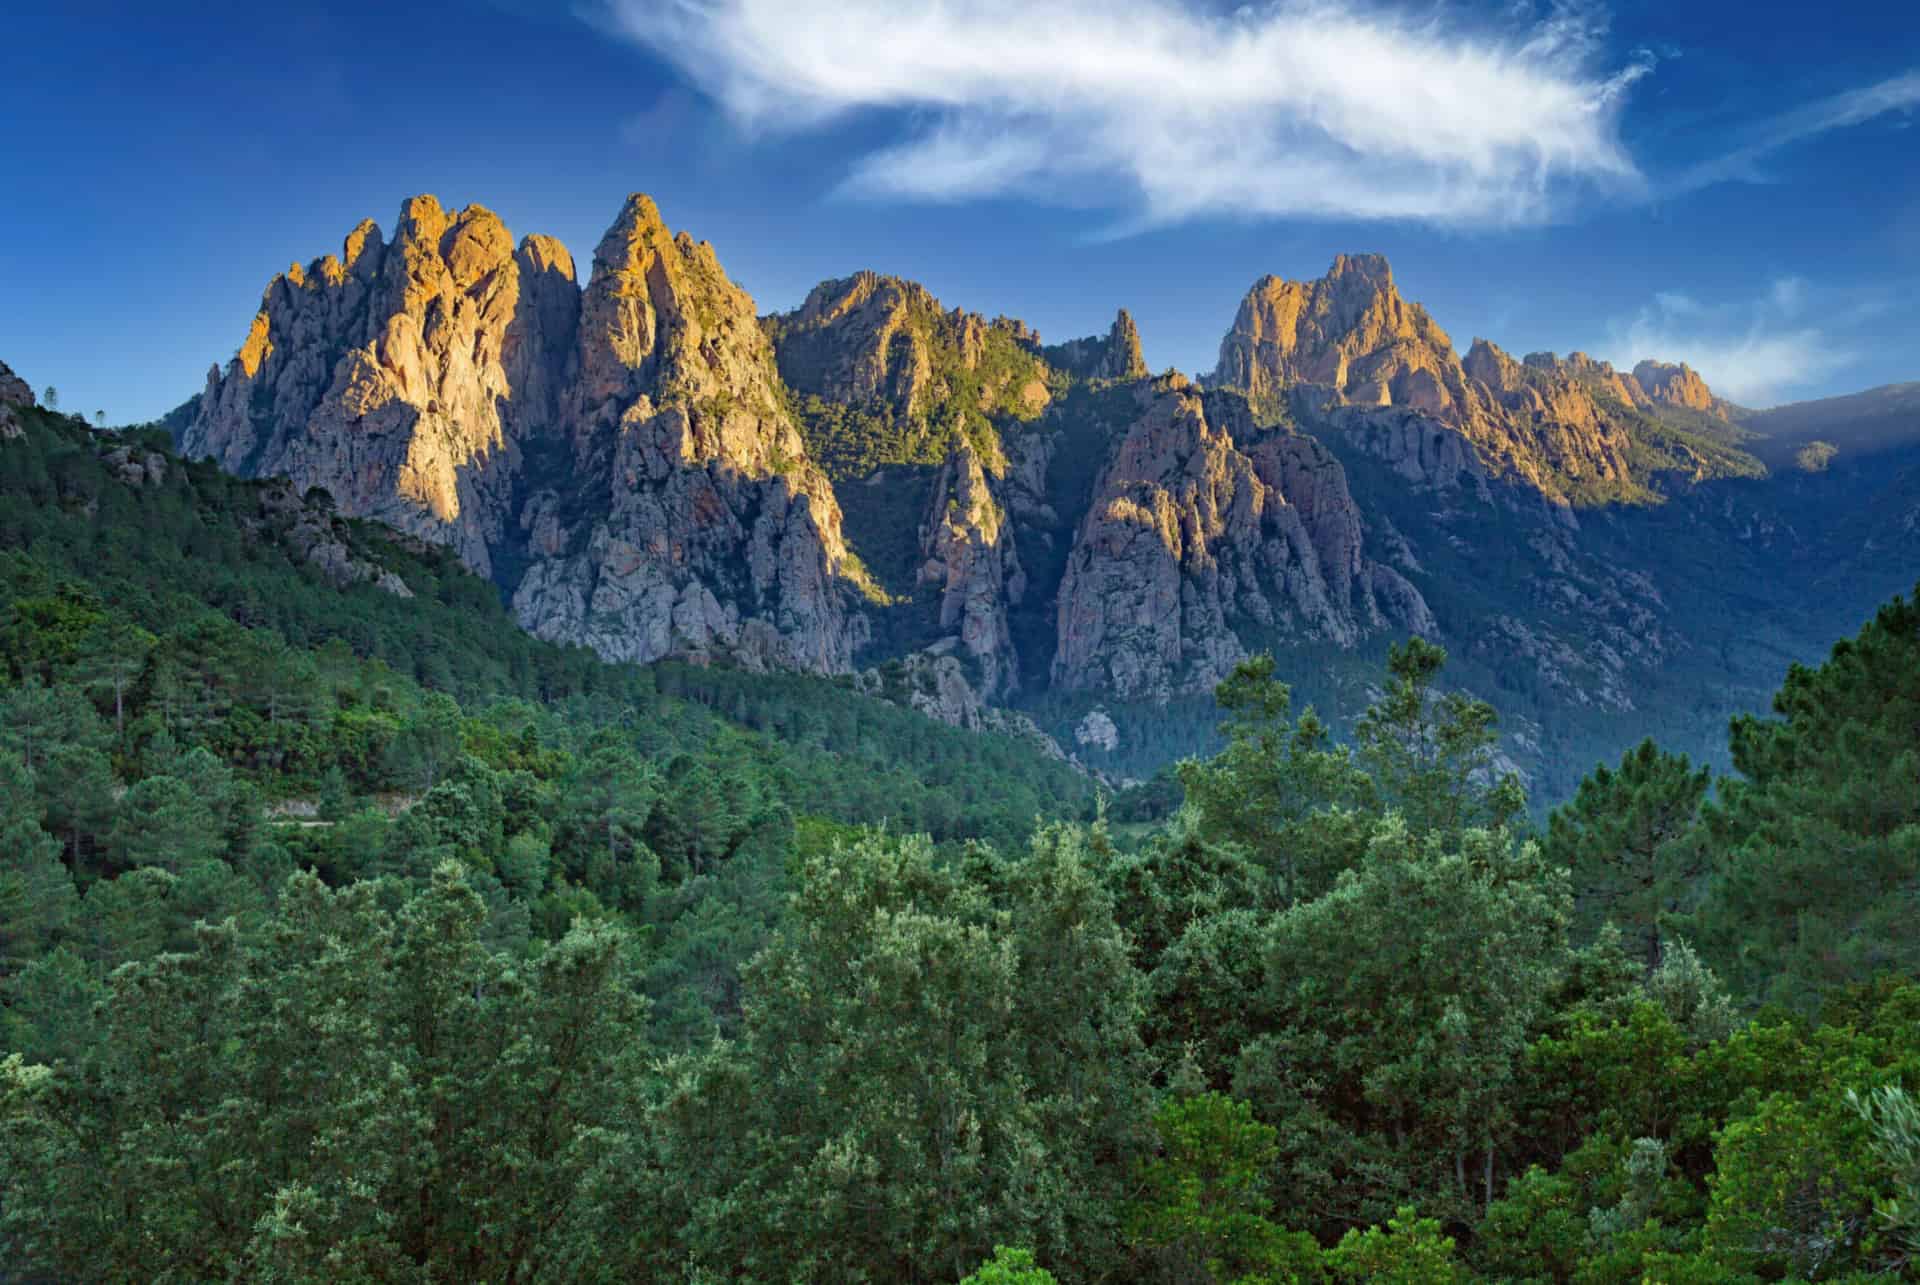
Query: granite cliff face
{"x": 1117, "y": 355}
{"x": 1672, "y": 384}
{"x": 1564, "y": 428}
{"x": 648, "y": 468}
{"x": 1164, "y": 614}
{"x": 1350, "y": 332}
{"x": 14, "y": 391}
{"x": 966, "y": 539}
{"x": 884, "y": 344}
{"x": 380, "y": 375}
{"x": 1206, "y": 532}
{"x": 705, "y": 529}
{"x": 621, "y": 461}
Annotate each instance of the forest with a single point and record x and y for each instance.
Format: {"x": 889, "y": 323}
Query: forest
{"x": 353, "y": 937}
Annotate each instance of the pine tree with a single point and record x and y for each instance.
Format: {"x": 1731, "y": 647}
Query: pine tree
{"x": 1628, "y": 838}
{"x": 1817, "y": 842}
{"x": 1431, "y": 753}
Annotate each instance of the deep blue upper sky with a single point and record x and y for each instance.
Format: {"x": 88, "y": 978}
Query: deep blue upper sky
{"x": 1732, "y": 184}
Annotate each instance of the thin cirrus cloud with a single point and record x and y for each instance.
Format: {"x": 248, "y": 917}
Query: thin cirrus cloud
{"x": 1753, "y": 351}
{"x": 1317, "y": 108}
{"x": 1841, "y": 111}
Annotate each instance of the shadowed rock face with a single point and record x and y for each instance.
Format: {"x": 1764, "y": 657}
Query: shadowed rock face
{"x": 672, "y": 510}
{"x": 708, "y": 529}
{"x": 1117, "y": 355}
{"x": 1203, "y": 528}
{"x": 14, "y": 391}
{"x": 966, "y": 543}
{"x": 378, "y": 375}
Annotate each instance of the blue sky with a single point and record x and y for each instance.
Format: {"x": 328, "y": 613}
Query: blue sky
{"x": 1736, "y": 185}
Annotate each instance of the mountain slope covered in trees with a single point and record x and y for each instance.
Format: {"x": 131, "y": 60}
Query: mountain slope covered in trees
{"x": 347, "y": 935}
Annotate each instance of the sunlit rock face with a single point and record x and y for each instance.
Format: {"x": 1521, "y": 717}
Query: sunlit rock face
{"x": 706, "y": 528}
{"x": 620, "y": 459}
{"x": 1561, "y": 426}
{"x": 637, "y": 464}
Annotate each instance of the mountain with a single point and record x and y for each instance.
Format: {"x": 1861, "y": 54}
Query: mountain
{"x": 1207, "y": 529}
{"x": 621, "y": 458}
{"x": 1574, "y": 430}
{"x": 1871, "y": 423}
{"x": 965, "y": 516}
{"x": 288, "y": 638}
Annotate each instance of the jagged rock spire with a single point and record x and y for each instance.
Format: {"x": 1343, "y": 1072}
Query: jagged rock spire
{"x": 673, "y": 509}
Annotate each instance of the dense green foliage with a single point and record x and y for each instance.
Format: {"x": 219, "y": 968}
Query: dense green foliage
{"x": 1628, "y": 837}
{"x": 1817, "y": 841}
{"x": 312, "y": 968}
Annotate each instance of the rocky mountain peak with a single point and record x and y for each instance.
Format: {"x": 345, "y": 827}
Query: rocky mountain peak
{"x": 1562, "y": 425}
{"x": 546, "y": 254}
{"x": 1125, "y": 359}
{"x": 1349, "y": 332}
{"x": 639, "y": 216}
{"x": 886, "y": 345}
{"x": 1487, "y": 362}
{"x": 1365, "y": 271}
{"x": 1590, "y": 374}
{"x": 1678, "y": 384}
{"x": 415, "y": 379}
{"x": 361, "y": 251}
{"x": 660, "y": 315}
{"x": 854, "y": 341}
{"x": 1115, "y": 355}
{"x": 707, "y": 529}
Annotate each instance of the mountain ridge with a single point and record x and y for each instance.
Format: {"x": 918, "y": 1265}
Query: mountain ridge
{"x": 647, "y": 466}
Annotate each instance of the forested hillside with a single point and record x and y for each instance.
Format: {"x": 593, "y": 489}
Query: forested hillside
{"x": 210, "y": 683}
{"x": 347, "y": 935}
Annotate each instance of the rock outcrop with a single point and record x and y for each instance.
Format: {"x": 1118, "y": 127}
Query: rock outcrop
{"x": 1562, "y": 428}
{"x": 708, "y": 531}
{"x": 1206, "y": 531}
{"x": 135, "y": 466}
{"x": 934, "y": 682}
{"x": 1678, "y": 384}
{"x": 648, "y": 468}
{"x": 622, "y": 461}
{"x": 14, "y": 391}
{"x": 379, "y": 375}
{"x": 878, "y": 342}
{"x": 950, "y": 396}
{"x": 307, "y": 527}
{"x": 969, "y": 560}
{"x": 1115, "y": 355}
{"x": 1350, "y": 332}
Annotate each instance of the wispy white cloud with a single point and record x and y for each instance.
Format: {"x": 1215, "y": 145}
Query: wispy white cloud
{"x": 1752, "y": 351}
{"x": 1900, "y": 94}
{"x": 1324, "y": 108}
